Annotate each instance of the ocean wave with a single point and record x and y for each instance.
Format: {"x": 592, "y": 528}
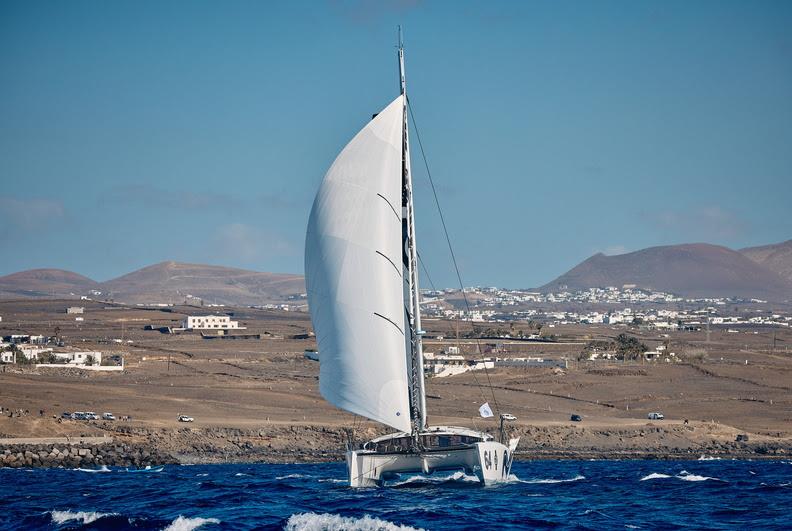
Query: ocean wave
{"x": 182, "y": 523}
{"x": 709, "y": 458}
{"x": 549, "y": 480}
{"x": 456, "y": 476}
{"x": 240, "y": 474}
{"x": 336, "y": 522}
{"x": 687, "y": 476}
{"x": 655, "y": 475}
{"x": 103, "y": 468}
{"x": 330, "y": 480}
{"x": 684, "y": 476}
{"x": 61, "y": 517}
{"x": 295, "y": 476}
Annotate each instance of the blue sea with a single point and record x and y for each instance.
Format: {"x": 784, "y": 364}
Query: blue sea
{"x": 707, "y": 494}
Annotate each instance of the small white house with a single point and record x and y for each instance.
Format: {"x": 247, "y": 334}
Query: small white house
{"x": 8, "y": 356}
{"x": 75, "y": 309}
{"x": 78, "y": 358}
{"x": 32, "y": 352}
{"x": 209, "y": 322}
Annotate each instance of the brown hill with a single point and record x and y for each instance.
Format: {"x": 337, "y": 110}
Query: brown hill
{"x": 691, "y": 270}
{"x": 776, "y": 257}
{"x": 175, "y": 282}
{"x": 44, "y": 283}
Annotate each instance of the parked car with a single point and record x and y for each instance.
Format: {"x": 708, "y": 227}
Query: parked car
{"x": 66, "y": 415}
{"x": 108, "y": 416}
{"x": 79, "y": 415}
{"x": 576, "y": 418}
{"x": 655, "y": 416}
{"x": 90, "y": 415}
{"x": 185, "y": 418}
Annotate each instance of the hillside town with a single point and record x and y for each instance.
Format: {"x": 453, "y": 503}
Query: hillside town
{"x": 627, "y": 305}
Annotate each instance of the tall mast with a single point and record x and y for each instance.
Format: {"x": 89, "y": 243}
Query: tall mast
{"x": 410, "y": 265}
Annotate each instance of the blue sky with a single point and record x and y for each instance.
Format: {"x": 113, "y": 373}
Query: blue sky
{"x": 137, "y": 132}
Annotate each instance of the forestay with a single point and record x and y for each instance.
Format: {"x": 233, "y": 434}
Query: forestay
{"x": 353, "y": 274}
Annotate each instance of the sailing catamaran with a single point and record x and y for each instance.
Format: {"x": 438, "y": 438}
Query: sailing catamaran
{"x": 361, "y": 273}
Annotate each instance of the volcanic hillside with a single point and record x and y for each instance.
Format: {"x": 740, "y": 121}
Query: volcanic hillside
{"x": 167, "y": 282}
{"x": 175, "y": 282}
{"x": 691, "y": 270}
{"x": 776, "y": 257}
{"x": 44, "y": 283}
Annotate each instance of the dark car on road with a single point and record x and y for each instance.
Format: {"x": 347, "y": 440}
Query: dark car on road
{"x": 576, "y": 418}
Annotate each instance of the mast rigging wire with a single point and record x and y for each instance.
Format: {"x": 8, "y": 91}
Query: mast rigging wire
{"x": 451, "y": 250}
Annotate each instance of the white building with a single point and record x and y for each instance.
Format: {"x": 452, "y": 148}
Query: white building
{"x": 32, "y": 352}
{"x": 8, "y": 356}
{"x": 75, "y": 309}
{"x": 209, "y": 322}
{"x": 78, "y": 358}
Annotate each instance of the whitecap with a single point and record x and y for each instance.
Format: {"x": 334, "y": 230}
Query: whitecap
{"x": 332, "y": 480}
{"x": 655, "y": 475}
{"x": 552, "y": 480}
{"x": 201, "y": 475}
{"x": 294, "y": 476}
{"x": 240, "y": 474}
{"x": 709, "y": 458}
{"x": 456, "y": 476}
{"x": 182, "y": 523}
{"x": 103, "y": 468}
{"x": 687, "y": 476}
{"x": 61, "y": 517}
{"x": 336, "y": 522}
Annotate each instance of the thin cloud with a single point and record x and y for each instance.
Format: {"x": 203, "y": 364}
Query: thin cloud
{"x": 614, "y": 250}
{"x": 249, "y": 245}
{"x": 708, "y": 223}
{"x": 29, "y": 215}
{"x": 152, "y": 196}
{"x": 369, "y": 11}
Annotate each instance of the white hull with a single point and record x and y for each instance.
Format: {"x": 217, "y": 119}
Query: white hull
{"x": 490, "y": 461}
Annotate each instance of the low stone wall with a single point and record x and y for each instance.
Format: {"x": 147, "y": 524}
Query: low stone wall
{"x": 81, "y": 456}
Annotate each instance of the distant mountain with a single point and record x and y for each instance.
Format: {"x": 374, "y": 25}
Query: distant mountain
{"x": 174, "y": 282}
{"x": 776, "y": 257}
{"x": 692, "y": 270}
{"x": 160, "y": 283}
{"x": 44, "y": 283}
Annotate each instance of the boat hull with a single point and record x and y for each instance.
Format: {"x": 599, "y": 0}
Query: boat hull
{"x": 490, "y": 461}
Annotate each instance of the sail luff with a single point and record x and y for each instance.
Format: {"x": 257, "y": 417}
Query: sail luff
{"x": 355, "y": 293}
{"x": 415, "y": 343}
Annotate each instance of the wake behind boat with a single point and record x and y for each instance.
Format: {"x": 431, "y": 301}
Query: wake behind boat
{"x": 361, "y": 273}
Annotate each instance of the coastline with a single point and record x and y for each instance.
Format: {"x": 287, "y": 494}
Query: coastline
{"x": 142, "y": 446}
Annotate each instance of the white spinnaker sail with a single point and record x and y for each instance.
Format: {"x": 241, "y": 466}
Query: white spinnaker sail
{"x": 353, "y": 275}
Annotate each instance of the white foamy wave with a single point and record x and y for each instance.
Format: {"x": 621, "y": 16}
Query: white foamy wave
{"x": 331, "y": 480}
{"x": 240, "y": 474}
{"x": 182, "y": 523}
{"x": 294, "y": 476}
{"x": 709, "y": 458}
{"x": 86, "y": 517}
{"x": 551, "y": 480}
{"x": 456, "y": 476}
{"x": 655, "y": 475}
{"x": 687, "y": 476}
{"x": 103, "y": 468}
{"x": 335, "y": 522}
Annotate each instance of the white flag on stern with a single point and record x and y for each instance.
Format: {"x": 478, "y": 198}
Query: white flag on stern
{"x": 485, "y": 410}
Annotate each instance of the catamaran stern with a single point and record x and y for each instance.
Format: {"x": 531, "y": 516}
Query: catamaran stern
{"x": 489, "y": 461}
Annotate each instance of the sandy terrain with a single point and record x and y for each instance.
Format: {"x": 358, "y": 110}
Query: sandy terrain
{"x": 259, "y": 397}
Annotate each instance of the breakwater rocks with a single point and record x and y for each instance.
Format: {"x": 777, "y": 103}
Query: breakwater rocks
{"x": 81, "y": 455}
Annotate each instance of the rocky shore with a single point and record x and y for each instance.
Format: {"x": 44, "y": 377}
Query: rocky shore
{"x": 140, "y": 446}
{"x": 81, "y": 456}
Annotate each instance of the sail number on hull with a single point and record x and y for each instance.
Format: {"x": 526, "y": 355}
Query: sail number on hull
{"x": 491, "y": 460}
